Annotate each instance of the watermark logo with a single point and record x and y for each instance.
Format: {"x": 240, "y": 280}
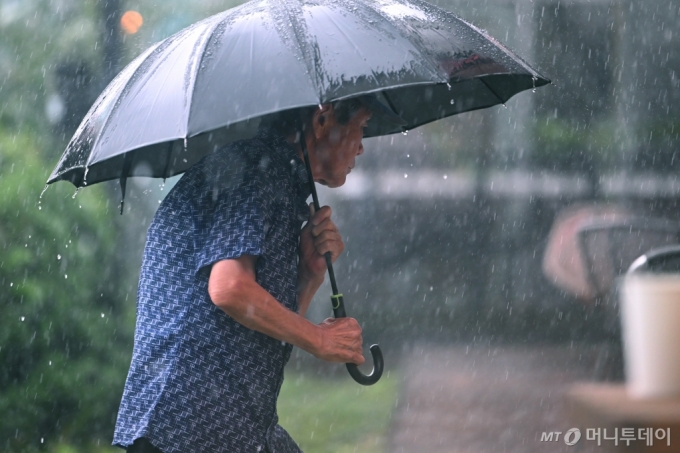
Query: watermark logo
{"x": 618, "y": 435}
{"x": 570, "y": 437}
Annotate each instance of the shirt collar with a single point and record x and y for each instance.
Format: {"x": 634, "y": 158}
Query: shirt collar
{"x": 273, "y": 138}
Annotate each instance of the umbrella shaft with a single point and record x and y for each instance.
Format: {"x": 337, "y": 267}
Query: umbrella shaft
{"x": 315, "y": 199}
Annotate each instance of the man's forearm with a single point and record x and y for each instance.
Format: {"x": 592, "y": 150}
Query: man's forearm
{"x": 307, "y": 287}
{"x": 251, "y": 305}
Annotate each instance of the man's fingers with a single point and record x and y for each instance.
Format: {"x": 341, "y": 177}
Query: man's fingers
{"x": 325, "y": 225}
{"x": 326, "y": 236}
{"x": 344, "y": 342}
{"x": 358, "y": 359}
{"x": 323, "y": 213}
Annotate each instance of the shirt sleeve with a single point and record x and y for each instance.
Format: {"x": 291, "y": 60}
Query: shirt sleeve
{"x": 231, "y": 210}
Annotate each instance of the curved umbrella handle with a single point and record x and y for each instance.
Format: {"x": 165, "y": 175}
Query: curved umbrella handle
{"x": 377, "y": 372}
{"x": 378, "y": 363}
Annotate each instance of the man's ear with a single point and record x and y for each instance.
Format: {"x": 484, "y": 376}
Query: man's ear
{"x": 320, "y": 120}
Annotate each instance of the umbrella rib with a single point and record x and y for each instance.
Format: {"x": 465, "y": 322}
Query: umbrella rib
{"x": 433, "y": 66}
{"x": 115, "y": 102}
{"x": 311, "y": 67}
{"x": 201, "y": 54}
{"x": 481, "y": 79}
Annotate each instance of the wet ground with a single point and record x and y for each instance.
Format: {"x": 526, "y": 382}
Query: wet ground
{"x": 487, "y": 399}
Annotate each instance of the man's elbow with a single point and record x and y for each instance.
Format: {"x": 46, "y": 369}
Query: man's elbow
{"x": 225, "y": 293}
{"x": 230, "y": 282}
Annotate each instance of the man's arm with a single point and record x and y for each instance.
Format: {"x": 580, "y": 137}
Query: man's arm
{"x": 233, "y": 288}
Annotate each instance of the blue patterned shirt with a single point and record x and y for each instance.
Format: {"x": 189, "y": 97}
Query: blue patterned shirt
{"x": 199, "y": 381}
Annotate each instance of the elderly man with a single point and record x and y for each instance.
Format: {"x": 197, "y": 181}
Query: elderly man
{"x": 227, "y": 277}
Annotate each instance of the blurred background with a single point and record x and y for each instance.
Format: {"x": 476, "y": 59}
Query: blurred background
{"x": 482, "y": 250}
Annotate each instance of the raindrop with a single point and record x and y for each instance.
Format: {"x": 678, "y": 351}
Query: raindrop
{"x": 404, "y": 132}
{"x": 85, "y": 176}
{"x": 22, "y": 319}
{"x": 58, "y": 257}
{"x": 448, "y": 85}
{"x": 50, "y": 363}
{"x": 65, "y": 275}
{"x": 446, "y": 176}
{"x": 533, "y": 82}
{"x": 505, "y": 105}
{"x": 102, "y": 315}
{"x": 405, "y": 175}
{"x": 76, "y": 193}
{"x": 452, "y": 101}
{"x": 11, "y": 284}
{"x": 185, "y": 145}
{"x": 43, "y": 191}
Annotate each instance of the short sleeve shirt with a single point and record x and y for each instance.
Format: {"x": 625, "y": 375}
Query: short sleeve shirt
{"x": 199, "y": 381}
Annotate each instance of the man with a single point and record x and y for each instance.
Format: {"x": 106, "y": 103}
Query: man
{"x": 227, "y": 277}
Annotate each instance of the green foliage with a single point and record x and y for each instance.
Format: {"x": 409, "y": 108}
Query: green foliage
{"x": 65, "y": 336}
{"x": 337, "y": 415}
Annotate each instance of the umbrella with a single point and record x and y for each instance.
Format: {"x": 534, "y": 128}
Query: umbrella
{"x": 213, "y": 82}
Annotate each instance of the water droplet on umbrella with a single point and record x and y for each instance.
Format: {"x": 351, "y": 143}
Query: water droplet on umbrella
{"x": 85, "y": 176}
{"x": 404, "y": 132}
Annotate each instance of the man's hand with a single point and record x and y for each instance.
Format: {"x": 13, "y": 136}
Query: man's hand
{"x": 320, "y": 235}
{"x": 340, "y": 341}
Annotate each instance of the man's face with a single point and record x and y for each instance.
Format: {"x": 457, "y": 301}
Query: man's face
{"x": 337, "y": 146}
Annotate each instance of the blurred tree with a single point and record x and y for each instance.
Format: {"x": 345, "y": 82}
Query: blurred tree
{"x": 66, "y": 336}
{"x": 75, "y": 87}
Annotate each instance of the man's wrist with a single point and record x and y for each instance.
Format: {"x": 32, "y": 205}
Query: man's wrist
{"x": 309, "y": 285}
{"x": 307, "y": 279}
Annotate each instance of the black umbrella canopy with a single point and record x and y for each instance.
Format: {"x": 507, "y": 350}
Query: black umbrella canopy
{"x": 212, "y": 82}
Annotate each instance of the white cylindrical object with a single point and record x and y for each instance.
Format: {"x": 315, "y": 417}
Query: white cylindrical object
{"x": 650, "y": 316}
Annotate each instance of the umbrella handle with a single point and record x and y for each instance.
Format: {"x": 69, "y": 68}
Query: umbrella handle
{"x": 378, "y": 363}
{"x": 336, "y": 298}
